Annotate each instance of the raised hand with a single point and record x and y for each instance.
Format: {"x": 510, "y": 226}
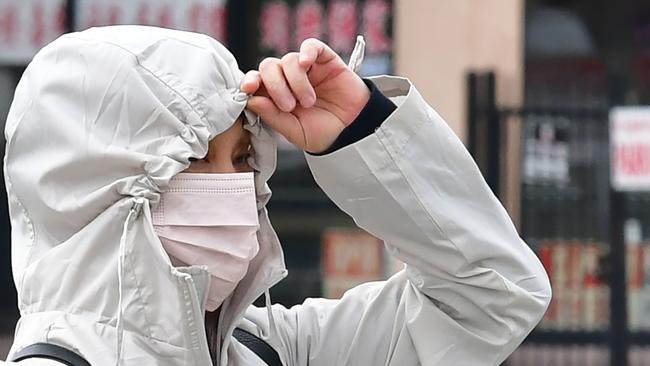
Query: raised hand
{"x": 308, "y": 96}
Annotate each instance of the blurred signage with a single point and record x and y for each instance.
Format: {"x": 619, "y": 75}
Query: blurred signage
{"x": 28, "y": 25}
{"x": 630, "y": 148}
{"x": 203, "y": 16}
{"x": 546, "y": 151}
{"x": 580, "y": 296}
{"x": 284, "y": 24}
{"x": 350, "y": 257}
{"x": 283, "y": 27}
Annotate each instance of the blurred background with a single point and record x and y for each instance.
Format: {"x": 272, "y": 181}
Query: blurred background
{"x": 540, "y": 91}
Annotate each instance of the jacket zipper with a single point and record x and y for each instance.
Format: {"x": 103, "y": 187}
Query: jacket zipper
{"x": 197, "y": 336}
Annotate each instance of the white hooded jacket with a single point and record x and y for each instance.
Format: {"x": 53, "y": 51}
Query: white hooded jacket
{"x": 102, "y": 120}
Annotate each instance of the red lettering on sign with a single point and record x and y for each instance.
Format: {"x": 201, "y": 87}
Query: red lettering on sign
{"x": 274, "y": 27}
{"x": 342, "y": 25}
{"x": 8, "y": 23}
{"x": 375, "y": 23}
{"x": 165, "y": 17}
{"x": 632, "y": 125}
{"x": 352, "y": 255}
{"x": 218, "y": 22}
{"x": 114, "y": 14}
{"x": 93, "y": 17}
{"x": 38, "y": 25}
{"x": 59, "y": 20}
{"x": 632, "y": 160}
{"x": 195, "y": 17}
{"x": 211, "y": 21}
{"x": 309, "y": 21}
{"x": 143, "y": 14}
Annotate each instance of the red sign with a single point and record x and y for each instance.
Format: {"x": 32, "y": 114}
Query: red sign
{"x": 350, "y": 257}
{"x": 28, "y": 25}
{"x": 342, "y": 25}
{"x": 309, "y": 21}
{"x": 338, "y": 25}
{"x": 630, "y": 148}
{"x": 203, "y": 16}
{"x": 274, "y": 27}
{"x": 375, "y": 24}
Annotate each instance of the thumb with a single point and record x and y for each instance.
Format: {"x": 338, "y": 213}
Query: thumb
{"x": 284, "y": 123}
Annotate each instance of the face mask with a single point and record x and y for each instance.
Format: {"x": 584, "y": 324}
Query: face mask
{"x": 210, "y": 220}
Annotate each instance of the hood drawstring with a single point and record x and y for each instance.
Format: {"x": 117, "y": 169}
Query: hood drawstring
{"x": 269, "y": 313}
{"x": 133, "y": 213}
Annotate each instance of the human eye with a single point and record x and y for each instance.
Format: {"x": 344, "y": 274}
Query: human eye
{"x": 241, "y": 159}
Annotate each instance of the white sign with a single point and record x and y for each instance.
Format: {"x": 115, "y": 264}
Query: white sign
{"x": 630, "y": 148}
{"x": 28, "y": 25}
{"x": 350, "y": 257}
{"x": 203, "y": 16}
{"x": 546, "y": 151}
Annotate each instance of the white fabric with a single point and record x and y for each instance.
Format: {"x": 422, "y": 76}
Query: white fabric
{"x": 104, "y": 118}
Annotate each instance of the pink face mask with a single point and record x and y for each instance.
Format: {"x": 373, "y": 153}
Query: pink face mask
{"x": 210, "y": 220}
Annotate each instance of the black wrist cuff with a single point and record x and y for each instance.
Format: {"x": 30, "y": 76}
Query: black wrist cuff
{"x": 376, "y": 111}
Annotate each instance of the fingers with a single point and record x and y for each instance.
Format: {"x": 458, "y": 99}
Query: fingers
{"x": 284, "y": 123}
{"x": 298, "y": 80}
{"x": 314, "y": 51}
{"x": 285, "y": 81}
{"x": 291, "y": 80}
{"x": 276, "y": 84}
{"x": 251, "y": 82}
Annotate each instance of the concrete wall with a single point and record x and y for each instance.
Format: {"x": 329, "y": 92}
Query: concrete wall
{"x": 438, "y": 41}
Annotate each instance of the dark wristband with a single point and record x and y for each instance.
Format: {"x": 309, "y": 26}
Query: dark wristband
{"x": 376, "y": 111}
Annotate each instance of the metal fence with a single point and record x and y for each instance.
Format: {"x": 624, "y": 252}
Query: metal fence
{"x": 589, "y": 238}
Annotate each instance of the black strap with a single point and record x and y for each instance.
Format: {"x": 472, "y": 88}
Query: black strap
{"x": 67, "y": 357}
{"x": 50, "y": 352}
{"x": 262, "y": 349}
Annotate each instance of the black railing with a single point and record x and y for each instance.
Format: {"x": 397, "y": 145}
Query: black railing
{"x": 569, "y": 213}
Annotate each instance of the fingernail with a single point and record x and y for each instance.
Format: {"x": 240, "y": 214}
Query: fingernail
{"x": 308, "y": 101}
{"x": 289, "y": 104}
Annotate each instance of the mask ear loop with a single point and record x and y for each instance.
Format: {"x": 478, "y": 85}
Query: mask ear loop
{"x": 271, "y": 318}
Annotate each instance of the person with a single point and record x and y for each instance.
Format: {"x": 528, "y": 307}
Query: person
{"x": 136, "y": 166}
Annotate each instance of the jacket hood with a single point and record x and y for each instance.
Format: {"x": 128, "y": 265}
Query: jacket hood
{"x": 100, "y": 122}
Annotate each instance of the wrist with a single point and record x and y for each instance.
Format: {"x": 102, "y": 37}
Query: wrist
{"x": 362, "y": 93}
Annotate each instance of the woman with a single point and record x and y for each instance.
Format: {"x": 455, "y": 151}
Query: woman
{"x": 136, "y": 171}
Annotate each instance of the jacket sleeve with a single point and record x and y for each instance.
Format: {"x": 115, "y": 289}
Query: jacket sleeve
{"x": 472, "y": 289}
